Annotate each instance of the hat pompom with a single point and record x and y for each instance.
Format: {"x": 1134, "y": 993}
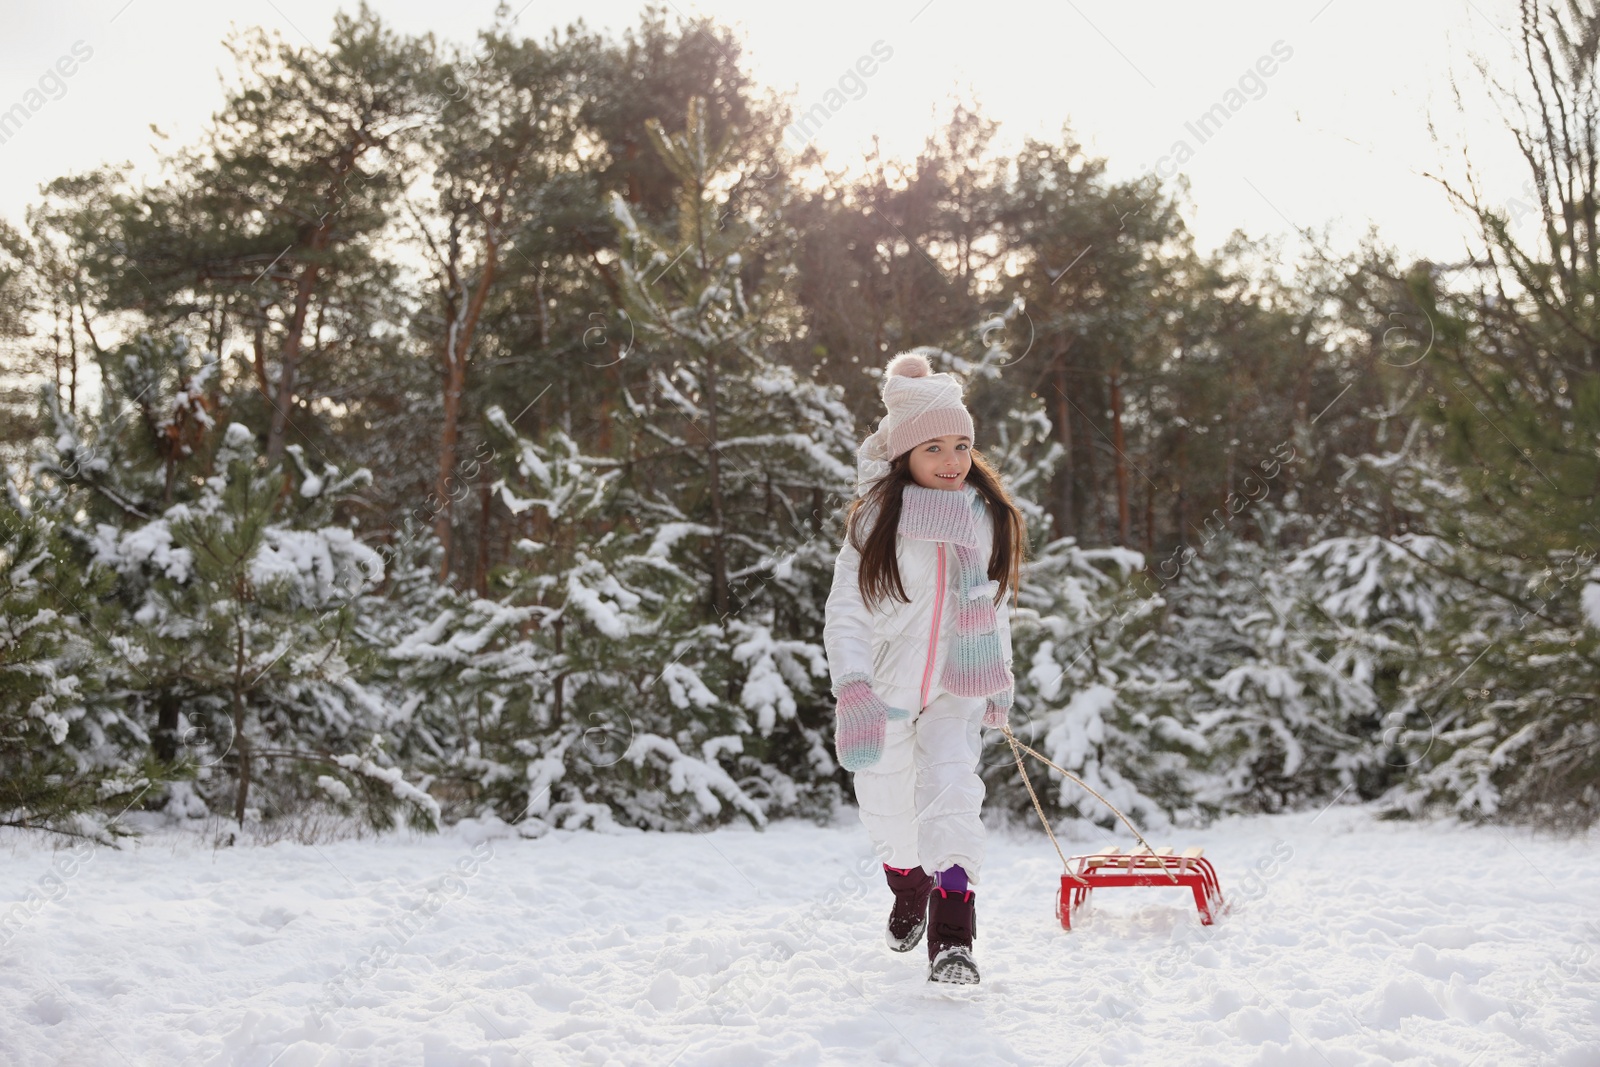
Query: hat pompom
{"x": 909, "y": 365}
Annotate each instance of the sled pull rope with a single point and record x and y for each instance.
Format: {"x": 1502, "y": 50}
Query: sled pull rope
{"x": 1065, "y": 866}
{"x": 1017, "y": 748}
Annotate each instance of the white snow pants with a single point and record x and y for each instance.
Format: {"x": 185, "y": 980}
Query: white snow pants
{"x": 920, "y": 800}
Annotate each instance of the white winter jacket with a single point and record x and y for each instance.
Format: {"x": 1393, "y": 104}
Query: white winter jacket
{"x": 902, "y": 646}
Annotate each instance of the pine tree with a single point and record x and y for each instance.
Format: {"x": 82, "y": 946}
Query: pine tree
{"x": 1491, "y": 656}
{"x": 1511, "y": 411}
{"x": 736, "y": 465}
{"x": 61, "y": 762}
{"x": 248, "y": 622}
{"x": 600, "y": 606}
{"x": 1083, "y": 694}
{"x": 1286, "y": 709}
{"x": 234, "y": 641}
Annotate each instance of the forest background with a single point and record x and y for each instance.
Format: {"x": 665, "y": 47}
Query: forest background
{"x": 465, "y": 431}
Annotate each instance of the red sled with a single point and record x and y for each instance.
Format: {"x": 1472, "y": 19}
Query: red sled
{"x": 1113, "y": 867}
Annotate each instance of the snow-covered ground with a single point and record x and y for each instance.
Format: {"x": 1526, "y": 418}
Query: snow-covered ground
{"x": 1351, "y": 942}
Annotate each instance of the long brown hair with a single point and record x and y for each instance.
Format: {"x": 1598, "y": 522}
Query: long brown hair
{"x": 880, "y": 572}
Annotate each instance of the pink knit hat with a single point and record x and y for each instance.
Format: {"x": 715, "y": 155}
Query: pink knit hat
{"x": 922, "y": 405}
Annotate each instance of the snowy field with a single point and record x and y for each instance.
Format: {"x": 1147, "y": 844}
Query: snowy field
{"x": 1351, "y": 942}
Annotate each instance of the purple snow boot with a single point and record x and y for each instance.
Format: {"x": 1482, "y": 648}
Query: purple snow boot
{"x": 909, "y": 918}
{"x": 952, "y": 924}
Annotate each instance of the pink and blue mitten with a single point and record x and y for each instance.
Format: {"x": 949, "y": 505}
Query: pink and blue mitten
{"x": 859, "y": 729}
{"x": 997, "y": 706}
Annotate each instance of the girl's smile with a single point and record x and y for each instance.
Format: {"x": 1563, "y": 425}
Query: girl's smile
{"x": 942, "y": 462}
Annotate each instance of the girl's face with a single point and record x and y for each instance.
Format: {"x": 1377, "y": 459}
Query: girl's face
{"x": 942, "y": 462}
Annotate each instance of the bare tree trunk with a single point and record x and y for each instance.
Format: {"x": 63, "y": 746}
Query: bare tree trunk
{"x": 458, "y": 343}
{"x": 480, "y": 568}
{"x": 241, "y": 742}
{"x": 97, "y": 353}
{"x": 544, "y": 318}
{"x": 1180, "y": 517}
{"x": 1094, "y": 498}
{"x": 1149, "y": 518}
{"x": 242, "y": 746}
{"x": 454, "y": 384}
{"x": 72, "y": 365}
{"x": 215, "y": 391}
{"x": 1066, "y": 475}
{"x": 719, "y": 552}
{"x": 1119, "y": 457}
{"x": 294, "y": 334}
{"x": 165, "y": 739}
{"x": 611, "y": 389}
{"x": 259, "y": 348}
{"x": 1227, "y": 462}
{"x": 1230, "y": 434}
{"x": 557, "y": 711}
{"x": 55, "y": 359}
{"x": 289, "y": 360}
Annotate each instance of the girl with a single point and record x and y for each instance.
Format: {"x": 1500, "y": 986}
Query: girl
{"x": 918, "y": 638}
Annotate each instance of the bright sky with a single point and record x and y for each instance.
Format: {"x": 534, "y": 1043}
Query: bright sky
{"x": 1336, "y": 133}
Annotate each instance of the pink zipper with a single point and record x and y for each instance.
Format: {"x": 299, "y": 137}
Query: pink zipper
{"x": 933, "y": 633}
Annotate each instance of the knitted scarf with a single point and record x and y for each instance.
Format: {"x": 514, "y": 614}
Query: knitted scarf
{"x": 977, "y": 666}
